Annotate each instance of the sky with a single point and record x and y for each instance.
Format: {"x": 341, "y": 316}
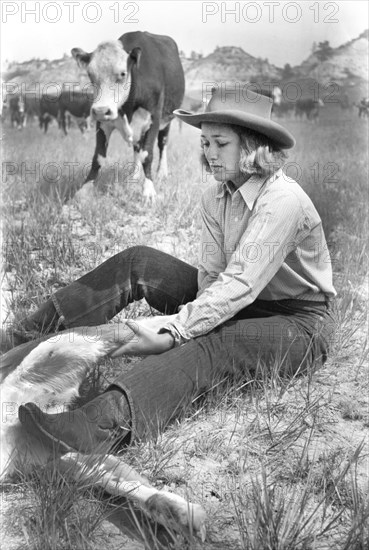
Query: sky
{"x": 281, "y": 31}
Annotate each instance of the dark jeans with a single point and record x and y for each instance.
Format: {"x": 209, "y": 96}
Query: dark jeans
{"x": 288, "y": 335}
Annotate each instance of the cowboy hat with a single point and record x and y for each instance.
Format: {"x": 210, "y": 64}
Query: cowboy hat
{"x": 247, "y": 109}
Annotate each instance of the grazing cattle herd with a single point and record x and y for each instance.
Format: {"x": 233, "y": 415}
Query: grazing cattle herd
{"x": 73, "y": 107}
{"x": 138, "y": 81}
{"x": 62, "y": 107}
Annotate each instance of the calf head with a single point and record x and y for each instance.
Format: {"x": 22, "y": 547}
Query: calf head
{"x": 110, "y": 70}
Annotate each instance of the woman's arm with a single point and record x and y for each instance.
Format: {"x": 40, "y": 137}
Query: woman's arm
{"x": 145, "y": 338}
{"x": 275, "y": 228}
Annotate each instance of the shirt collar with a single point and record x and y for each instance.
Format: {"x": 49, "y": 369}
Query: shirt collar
{"x": 250, "y": 190}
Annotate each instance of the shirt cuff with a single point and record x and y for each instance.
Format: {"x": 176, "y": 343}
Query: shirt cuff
{"x": 178, "y": 338}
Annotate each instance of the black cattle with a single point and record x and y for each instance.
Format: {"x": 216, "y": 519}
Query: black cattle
{"x": 344, "y": 102}
{"x": 283, "y": 109}
{"x": 31, "y": 107}
{"x": 140, "y": 71}
{"x": 77, "y": 104}
{"x": 308, "y": 107}
{"x": 49, "y": 110}
{"x": 16, "y": 110}
{"x": 363, "y": 108}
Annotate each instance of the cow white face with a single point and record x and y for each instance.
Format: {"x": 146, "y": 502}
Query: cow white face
{"x": 277, "y": 95}
{"x": 109, "y": 69}
{"x": 21, "y": 106}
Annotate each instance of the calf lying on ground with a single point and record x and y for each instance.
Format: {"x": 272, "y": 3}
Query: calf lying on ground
{"x": 49, "y": 372}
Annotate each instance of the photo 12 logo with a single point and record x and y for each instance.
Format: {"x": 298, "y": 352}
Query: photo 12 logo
{"x": 253, "y": 12}
{"x": 70, "y": 11}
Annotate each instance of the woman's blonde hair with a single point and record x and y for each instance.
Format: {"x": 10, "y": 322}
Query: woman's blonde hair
{"x": 259, "y": 155}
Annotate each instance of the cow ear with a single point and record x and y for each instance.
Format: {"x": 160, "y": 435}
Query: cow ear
{"x": 83, "y": 58}
{"x": 134, "y": 56}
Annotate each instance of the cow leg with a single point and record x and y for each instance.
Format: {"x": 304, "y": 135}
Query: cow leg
{"x": 46, "y": 121}
{"x": 162, "y": 144}
{"x": 62, "y": 121}
{"x": 149, "y": 193}
{"x": 103, "y": 134}
{"x": 137, "y": 131}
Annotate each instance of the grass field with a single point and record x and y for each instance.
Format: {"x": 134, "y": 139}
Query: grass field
{"x": 277, "y": 464}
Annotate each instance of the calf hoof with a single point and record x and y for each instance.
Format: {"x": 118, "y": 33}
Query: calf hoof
{"x": 171, "y": 510}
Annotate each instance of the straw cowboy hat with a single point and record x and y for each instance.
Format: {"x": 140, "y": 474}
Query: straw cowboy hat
{"x": 248, "y": 109}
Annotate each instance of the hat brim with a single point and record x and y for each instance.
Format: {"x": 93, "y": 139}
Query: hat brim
{"x": 279, "y": 135}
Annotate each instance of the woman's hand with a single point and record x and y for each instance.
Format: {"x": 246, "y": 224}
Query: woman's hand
{"x": 145, "y": 341}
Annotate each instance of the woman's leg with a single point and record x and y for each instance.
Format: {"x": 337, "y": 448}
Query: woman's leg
{"x": 158, "y": 387}
{"x": 135, "y": 273}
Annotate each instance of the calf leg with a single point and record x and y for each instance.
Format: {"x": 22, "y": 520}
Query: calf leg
{"x": 119, "y": 479}
{"x": 134, "y": 523}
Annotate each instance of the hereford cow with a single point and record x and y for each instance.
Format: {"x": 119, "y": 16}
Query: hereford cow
{"x": 31, "y": 107}
{"x": 77, "y": 104}
{"x": 284, "y": 109}
{"x": 139, "y": 71}
{"x": 49, "y": 110}
{"x": 308, "y": 107}
{"x": 16, "y": 110}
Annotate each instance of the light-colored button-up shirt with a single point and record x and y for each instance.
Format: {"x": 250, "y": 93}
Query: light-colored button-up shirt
{"x": 263, "y": 240}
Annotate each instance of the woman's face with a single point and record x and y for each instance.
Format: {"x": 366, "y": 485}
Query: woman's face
{"x": 222, "y": 149}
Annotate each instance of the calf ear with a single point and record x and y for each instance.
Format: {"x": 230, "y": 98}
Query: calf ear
{"x": 134, "y": 57}
{"x": 83, "y": 58}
